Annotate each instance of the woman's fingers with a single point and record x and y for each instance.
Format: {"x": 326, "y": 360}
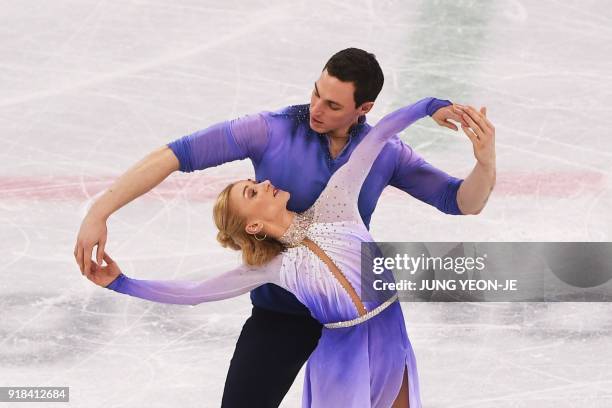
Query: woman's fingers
{"x": 450, "y": 125}
{"x": 454, "y": 114}
{"x": 108, "y": 259}
{"x": 458, "y": 109}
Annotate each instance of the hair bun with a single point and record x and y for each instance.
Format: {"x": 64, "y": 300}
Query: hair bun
{"x": 227, "y": 240}
{"x": 223, "y": 237}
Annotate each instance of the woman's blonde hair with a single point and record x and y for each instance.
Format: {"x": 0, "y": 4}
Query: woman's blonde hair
{"x": 232, "y": 233}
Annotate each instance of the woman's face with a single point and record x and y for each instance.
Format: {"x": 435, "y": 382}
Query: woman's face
{"x": 258, "y": 203}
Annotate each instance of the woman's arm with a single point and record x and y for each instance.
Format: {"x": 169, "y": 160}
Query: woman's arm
{"x": 341, "y": 194}
{"x": 182, "y": 292}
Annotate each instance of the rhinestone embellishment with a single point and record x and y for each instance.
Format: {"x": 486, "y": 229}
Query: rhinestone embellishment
{"x": 298, "y": 228}
{"x": 363, "y": 318}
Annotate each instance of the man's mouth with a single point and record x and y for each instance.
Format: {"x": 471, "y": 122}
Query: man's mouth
{"x": 274, "y": 192}
{"x": 318, "y": 122}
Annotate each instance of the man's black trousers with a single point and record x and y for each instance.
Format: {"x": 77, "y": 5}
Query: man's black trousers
{"x": 270, "y": 351}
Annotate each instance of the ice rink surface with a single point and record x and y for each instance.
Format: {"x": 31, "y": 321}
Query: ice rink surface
{"x": 87, "y": 88}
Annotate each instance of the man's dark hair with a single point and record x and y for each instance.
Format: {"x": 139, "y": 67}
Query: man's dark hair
{"x": 359, "y": 67}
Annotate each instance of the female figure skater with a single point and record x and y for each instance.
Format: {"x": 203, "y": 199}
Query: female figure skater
{"x": 364, "y": 357}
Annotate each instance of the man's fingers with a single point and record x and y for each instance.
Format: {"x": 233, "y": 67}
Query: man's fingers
{"x": 100, "y": 251}
{"x": 473, "y": 126}
{"x": 478, "y": 118}
{"x": 470, "y": 133}
{"x": 487, "y": 121}
{"x": 80, "y": 258}
{"x": 459, "y": 115}
{"x": 87, "y": 259}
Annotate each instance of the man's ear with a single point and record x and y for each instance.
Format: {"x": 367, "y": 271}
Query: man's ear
{"x": 365, "y": 108}
{"x": 254, "y": 227}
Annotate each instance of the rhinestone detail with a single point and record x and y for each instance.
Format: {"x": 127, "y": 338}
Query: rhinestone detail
{"x": 363, "y": 318}
{"x": 298, "y": 228}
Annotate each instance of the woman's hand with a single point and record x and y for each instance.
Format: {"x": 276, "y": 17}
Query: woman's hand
{"x": 443, "y": 117}
{"x": 103, "y": 275}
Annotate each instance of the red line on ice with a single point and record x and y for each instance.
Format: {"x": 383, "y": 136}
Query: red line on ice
{"x": 202, "y": 187}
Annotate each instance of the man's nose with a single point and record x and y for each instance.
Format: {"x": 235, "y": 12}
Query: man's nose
{"x": 316, "y": 108}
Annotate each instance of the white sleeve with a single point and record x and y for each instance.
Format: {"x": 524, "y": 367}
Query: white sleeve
{"x": 181, "y": 292}
{"x": 338, "y": 201}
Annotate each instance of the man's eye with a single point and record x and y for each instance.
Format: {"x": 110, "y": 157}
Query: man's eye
{"x": 253, "y": 193}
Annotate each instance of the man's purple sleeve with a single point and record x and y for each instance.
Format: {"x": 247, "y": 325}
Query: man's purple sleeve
{"x": 425, "y": 182}
{"x": 245, "y": 137}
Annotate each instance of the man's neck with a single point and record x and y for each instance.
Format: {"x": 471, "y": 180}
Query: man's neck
{"x": 336, "y": 144}
{"x": 338, "y": 138}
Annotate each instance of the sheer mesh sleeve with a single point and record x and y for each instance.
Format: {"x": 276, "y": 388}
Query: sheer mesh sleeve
{"x": 425, "y": 182}
{"x": 338, "y": 201}
{"x": 245, "y": 137}
{"x": 180, "y": 292}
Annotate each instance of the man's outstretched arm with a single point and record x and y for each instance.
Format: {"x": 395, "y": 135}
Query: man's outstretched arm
{"x": 139, "y": 179}
{"x": 246, "y": 137}
{"x": 449, "y": 194}
{"x": 474, "y": 192}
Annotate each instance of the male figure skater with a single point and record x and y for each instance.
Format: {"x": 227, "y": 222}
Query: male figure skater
{"x": 298, "y": 148}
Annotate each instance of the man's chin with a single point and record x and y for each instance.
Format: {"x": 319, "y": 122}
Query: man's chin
{"x": 317, "y": 127}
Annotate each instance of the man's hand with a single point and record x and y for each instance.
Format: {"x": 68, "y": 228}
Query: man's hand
{"x": 447, "y": 113}
{"x": 474, "y": 192}
{"x": 92, "y": 232}
{"x": 480, "y": 131}
{"x": 139, "y": 179}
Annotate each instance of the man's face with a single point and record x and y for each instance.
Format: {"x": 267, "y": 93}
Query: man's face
{"x": 332, "y": 104}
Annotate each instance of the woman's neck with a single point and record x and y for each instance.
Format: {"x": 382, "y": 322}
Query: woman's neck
{"x": 278, "y": 228}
